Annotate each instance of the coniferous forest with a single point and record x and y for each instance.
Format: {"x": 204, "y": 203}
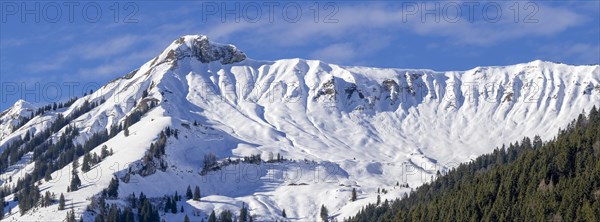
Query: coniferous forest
{"x": 558, "y": 180}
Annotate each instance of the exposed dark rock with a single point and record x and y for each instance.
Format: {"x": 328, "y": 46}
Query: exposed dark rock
{"x": 206, "y": 51}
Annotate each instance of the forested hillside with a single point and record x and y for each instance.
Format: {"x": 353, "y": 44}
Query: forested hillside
{"x": 558, "y": 180}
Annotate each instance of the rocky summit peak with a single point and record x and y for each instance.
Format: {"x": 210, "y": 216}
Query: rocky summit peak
{"x": 199, "y": 47}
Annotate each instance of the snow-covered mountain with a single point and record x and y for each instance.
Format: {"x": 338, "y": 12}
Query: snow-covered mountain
{"x": 337, "y": 127}
{"x": 12, "y": 118}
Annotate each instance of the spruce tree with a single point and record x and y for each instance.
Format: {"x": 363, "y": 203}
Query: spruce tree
{"x": 226, "y": 216}
{"x": 126, "y": 131}
{"x": 85, "y": 167}
{"x": 186, "y": 218}
{"x": 47, "y": 175}
{"x": 1, "y": 207}
{"x": 243, "y": 213}
{"x": 197, "y": 193}
{"x": 353, "y": 198}
{"x": 104, "y": 152}
{"x": 71, "y": 216}
{"x": 168, "y": 204}
{"x": 173, "y": 205}
{"x": 324, "y": 214}
{"x": 61, "y": 202}
{"x": 283, "y": 214}
{"x": 47, "y": 199}
{"x": 212, "y": 217}
{"x": 148, "y": 212}
{"x": 188, "y": 193}
{"x": 113, "y": 188}
{"x": 75, "y": 182}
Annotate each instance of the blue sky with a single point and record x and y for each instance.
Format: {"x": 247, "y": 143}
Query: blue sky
{"x": 73, "y": 48}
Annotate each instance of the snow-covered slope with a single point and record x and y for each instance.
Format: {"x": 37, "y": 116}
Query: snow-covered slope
{"x": 339, "y": 127}
{"x": 11, "y": 118}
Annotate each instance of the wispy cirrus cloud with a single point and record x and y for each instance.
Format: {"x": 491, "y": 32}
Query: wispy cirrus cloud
{"x": 83, "y": 51}
{"x": 357, "y": 32}
{"x": 390, "y": 17}
{"x": 583, "y": 52}
{"x": 111, "y": 47}
{"x": 339, "y": 39}
{"x": 117, "y": 66}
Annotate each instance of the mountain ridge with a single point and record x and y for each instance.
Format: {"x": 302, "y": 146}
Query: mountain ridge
{"x": 377, "y": 127}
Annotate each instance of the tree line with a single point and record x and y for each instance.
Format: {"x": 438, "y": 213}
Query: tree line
{"x": 50, "y": 155}
{"x": 525, "y": 181}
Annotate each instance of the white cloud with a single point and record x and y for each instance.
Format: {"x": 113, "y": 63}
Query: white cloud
{"x": 358, "y": 23}
{"x": 111, "y": 47}
{"x": 580, "y": 52}
{"x": 389, "y": 18}
{"x": 119, "y": 65}
{"x": 336, "y": 53}
{"x": 51, "y": 64}
{"x": 362, "y": 30}
{"x": 550, "y": 21}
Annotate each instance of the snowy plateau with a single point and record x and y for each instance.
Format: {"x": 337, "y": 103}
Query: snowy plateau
{"x": 337, "y": 128}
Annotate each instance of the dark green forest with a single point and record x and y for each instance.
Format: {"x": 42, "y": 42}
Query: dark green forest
{"x": 558, "y": 180}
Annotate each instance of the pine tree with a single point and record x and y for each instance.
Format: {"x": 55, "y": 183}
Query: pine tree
{"x": 75, "y": 182}
{"x": 71, "y": 216}
{"x": 85, "y": 167}
{"x": 212, "y": 217}
{"x": 47, "y": 175}
{"x": 126, "y": 130}
{"x": 186, "y": 218}
{"x": 167, "y": 204}
{"x": 188, "y": 193}
{"x": 181, "y": 209}
{"x": 324, "y": 214}
{"x": 353, "y": 198}
{"x": 283, "y": 214}
{"x": 148, "y": 213}
{"x": 1, "y": 207}
{"x": 104, "y": 152}
{"x": 226, "y": 216}
{"x": 113, "y": 188}
{"x": 61, "y": 202}
{"x": 197, "y": 193}
{"x": 47, "y": 201}
{"x": 173, "y": 205}
{"x": 243, "y": 213}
